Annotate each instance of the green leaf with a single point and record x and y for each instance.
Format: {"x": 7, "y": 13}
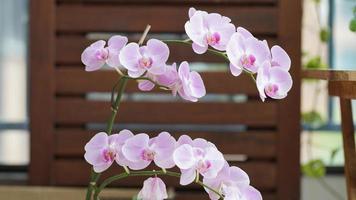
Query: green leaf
{"x": 352, "y": 25}
{"x": 312, "y": 119}
{"x": 315, "y": 63}
{"x": 324, "y": 35}
{"x": 314, "y": 168}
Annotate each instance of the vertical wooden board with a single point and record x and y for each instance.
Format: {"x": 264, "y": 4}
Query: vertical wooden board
{"x": 42, "y": 29}
{"x": 288, "y": 139}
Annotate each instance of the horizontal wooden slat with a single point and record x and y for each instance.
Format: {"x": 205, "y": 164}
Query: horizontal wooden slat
{"x": 262, "y": 174}
{"x": 134, "y": 18}
{"x": 70, "y": 142}
{"x": 70, "y": 47}
{"x": 190, "y": 2}
{"x": 343, "y": 89}
{"x": 77, "y": 81}
{"x": 74, "y": 111}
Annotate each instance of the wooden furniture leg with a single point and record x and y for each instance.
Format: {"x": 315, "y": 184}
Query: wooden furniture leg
{"x": 349, "y": 147}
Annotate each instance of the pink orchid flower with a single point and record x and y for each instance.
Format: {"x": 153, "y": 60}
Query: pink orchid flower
{"x": 197, "y": 156}
{"x": 208, "y": 29}
{"x": 168, "y": 79}
{"x": 280, "y": 58}
{"x": 273, "y": 82}
{"x": 244, "y": 32}
{"x": 153, "y": 189}
{"x": 246, "y": 52}
{"x": 247, "y": 193}
{"x": 140, "y": 150}
{"x": 151, "y": 58}
{"x": 102, "y": 150}
{"x": 190, "y": 86}
{"x": 228, "y": 177}
{"x": 96, "y": 55}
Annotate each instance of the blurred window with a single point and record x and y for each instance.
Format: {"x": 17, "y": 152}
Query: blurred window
{"x": 14, "y": 135}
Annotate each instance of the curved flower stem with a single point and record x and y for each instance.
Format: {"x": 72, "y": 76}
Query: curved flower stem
{"x": 111, "y": 179}
{"x": 114, "y": 109}
{"x": 148, "y": 79}
{"x": 212, "y": 51}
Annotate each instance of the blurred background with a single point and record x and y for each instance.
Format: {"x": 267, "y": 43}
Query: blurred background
{"x": 327, "y": 42}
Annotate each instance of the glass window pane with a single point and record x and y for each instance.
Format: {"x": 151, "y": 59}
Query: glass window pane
{"x": 13, "y": 50}
{"x": 14, "y": 138}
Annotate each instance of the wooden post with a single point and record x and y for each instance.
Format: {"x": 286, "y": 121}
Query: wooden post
{"x": 348, "y": 134}
{"x": 288, "y": 138}
{"x": 42, "y": 33}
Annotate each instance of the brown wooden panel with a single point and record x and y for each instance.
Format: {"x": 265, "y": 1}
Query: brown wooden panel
{"x": 262, "y": 174}
{"x": 70, "y": 142}
{"x": 73, "y": 111}
{"x": 41, "y": 89}
{"x": 77, "y": 81}
{"x": 70, "y": 47}
{"x": 86, "y": 18}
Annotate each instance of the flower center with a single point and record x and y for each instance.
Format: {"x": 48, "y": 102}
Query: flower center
{"x": 109, "y": 155}
{"x": 145, "y": 62}
{"x": 247, "y": 61}
{"x": 203, "y": 166}
{"x": 148, "y": 155}
{"x": 102, "y": 54}
{"x": 213, "y": 39}
{"x": 271, "y": 89}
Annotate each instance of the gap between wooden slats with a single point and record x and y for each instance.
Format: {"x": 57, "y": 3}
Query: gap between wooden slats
{"x": 253, "y": 144}
{"x": 79, "y": 111}
{"x": 70, "y": 47}
{"x": 163, "y": 18}
{"x": 262, "y": 174}
{"x": 70, "y": 81}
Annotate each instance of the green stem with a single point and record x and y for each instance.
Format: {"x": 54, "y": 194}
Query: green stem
{"x": 148, "y": 79}
{"x": 212, "y": 51}
{"x": 114, "y": 109}
{"x": 109, "y": 180}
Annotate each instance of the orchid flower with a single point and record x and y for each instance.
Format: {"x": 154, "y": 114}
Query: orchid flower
{"x": 153, "y": 189}
{"x": 168, "y": 79}
{"x": 195, "y": 157}
{"x": 280, "y": 58}
{"x": 274, "y": 82}
{"x": 102, "y": 150}
{"x": 247, "y": 193}
{"x": 246, "y": 52}
{"x": 226, "y": 178}
{"x": 208, "y": 29}
{"x": 140, "y": 150}
{"x": 151, "y": 58}
{"x": 96, "y": 55}
{"x": 188, "y": 84}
